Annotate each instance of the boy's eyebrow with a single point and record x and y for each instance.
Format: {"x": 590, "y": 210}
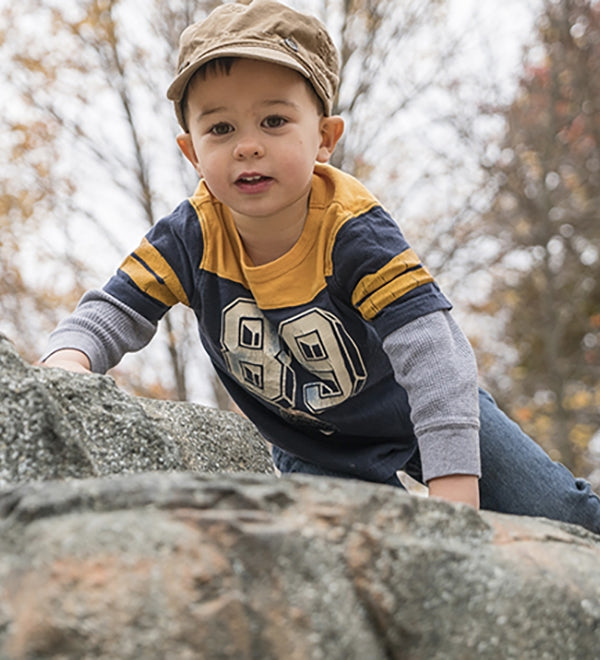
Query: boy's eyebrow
{"x": 291, "y": 104}
{"x": 210, "y": 111}
{"x": 206, "y": 112}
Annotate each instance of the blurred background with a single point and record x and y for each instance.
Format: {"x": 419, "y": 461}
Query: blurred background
{"x": 476, "y": 123}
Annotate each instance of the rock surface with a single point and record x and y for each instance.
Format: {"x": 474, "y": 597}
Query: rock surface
{"x": 55, "y": 425}
{"x": 178, "y": 563}
{"x": 184, "y": 565}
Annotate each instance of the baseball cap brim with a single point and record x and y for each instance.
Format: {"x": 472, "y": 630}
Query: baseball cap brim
{"x": 177, "y": 88}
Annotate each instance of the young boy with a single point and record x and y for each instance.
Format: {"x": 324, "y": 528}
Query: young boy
{"x": 321, "y": 321}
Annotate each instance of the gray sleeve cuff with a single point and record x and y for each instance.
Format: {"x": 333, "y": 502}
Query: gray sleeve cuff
{"x": 450, "y": 450}
{"x": 104, "y": 329}
{"x": 80, "y": 340}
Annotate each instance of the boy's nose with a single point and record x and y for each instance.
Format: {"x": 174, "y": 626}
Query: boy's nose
{"x": 248, "y": 148}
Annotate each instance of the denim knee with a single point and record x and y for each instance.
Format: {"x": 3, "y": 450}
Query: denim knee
{"x": 519, "y": 477}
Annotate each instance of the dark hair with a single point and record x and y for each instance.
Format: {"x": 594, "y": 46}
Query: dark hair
{"x": 219, "y": 65}
{"x": 223, "y": 66}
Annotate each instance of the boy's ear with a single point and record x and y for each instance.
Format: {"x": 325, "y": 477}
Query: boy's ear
{"x": 184, "y": 141}
{"x": 331, "y": 131}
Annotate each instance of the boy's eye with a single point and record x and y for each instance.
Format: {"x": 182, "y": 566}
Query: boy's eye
{"x": 222, "y": 128}
{"x": 274, "y": 121}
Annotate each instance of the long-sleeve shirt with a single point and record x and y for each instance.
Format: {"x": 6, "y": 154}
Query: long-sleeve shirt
{"x": 342, "y": 351}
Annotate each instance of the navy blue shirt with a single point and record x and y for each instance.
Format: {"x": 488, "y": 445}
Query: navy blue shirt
{"x": 297, "y": 342}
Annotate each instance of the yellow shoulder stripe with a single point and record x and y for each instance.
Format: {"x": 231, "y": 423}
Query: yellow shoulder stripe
{"x": 153, "y": 275}
{"x": 399, "y": 276}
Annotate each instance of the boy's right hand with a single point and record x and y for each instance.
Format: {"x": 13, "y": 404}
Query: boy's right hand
{"x": 69, "y": 359}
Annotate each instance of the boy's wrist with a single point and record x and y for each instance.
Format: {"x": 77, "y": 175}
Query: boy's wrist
{"x": 462, "y": 488}
{"x": 70, "y": 359}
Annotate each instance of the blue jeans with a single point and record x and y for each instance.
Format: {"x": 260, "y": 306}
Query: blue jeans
{"x": 518, "y": 477}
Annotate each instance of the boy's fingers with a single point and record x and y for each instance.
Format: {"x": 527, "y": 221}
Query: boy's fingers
{"x": 65, "y": 365}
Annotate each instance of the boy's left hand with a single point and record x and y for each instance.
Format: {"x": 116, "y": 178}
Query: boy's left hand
{"x": 68, "y": 359}
{"x": 456, "y": 488}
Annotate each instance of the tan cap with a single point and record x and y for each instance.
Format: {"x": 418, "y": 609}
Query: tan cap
{"x": 262, "y": 30}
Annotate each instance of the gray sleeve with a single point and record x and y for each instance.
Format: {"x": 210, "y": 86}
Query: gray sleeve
{"x": 434, "y": 362}
{"x": 103, "y": 328}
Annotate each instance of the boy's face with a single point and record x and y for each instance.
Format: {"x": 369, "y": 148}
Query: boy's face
{"x": 255, "y": 134}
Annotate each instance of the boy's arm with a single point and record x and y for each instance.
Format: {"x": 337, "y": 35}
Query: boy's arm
{"x": 97, "y": 335}
{"x": 123, "y": 316}
{"x": 433, "y": 361}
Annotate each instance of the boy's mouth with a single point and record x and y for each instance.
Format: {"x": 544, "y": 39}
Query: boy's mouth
{"x": 253, "y": 182}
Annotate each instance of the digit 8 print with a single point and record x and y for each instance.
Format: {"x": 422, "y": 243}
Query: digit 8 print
{"x": 254, "y": 353}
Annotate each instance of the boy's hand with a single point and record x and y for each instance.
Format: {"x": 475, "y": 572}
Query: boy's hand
{"x": 69, "y": 359}
{"x": 456, "y": 488}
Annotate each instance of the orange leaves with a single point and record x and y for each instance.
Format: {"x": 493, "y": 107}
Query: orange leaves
{"x": 98, "y": 24}
{"x": 595, "y": 321}
{"x": 553, "y": 184}
{"x": 30, "y": 136}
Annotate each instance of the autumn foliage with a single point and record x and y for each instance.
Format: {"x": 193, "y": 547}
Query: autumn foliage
{"x": 545, "y": 213}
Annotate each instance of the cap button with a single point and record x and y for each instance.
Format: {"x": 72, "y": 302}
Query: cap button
{"x": 291, "y": 44}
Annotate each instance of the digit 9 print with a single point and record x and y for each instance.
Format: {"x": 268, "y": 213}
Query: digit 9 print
{"x": 261, "y": 358}
{"x": 319, "y": 342}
